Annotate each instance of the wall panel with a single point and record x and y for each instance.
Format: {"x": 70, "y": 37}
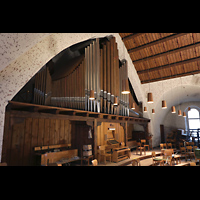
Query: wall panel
{"x": 25, "y": 133}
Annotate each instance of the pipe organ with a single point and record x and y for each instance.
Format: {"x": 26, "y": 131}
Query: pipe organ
{"x": 95, "y": 84}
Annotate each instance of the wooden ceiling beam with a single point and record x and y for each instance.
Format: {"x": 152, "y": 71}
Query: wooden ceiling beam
{"x": 166, "y": 53}
{"x": 172, "y": 76}
{"x": 169, "y": 65}
{"x": 129, "y": 37}
{"x": 164, "y": 39}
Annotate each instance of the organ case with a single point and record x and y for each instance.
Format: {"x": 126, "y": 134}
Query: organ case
{"x": 97, "y": 71}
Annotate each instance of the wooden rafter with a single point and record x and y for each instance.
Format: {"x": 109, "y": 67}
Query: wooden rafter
{"x": 166, "y": 53}
{"x": 171, "y": 76}
{"x": 129, "y": 37}
{"x": 165, "y": 56}
{"x": 168, "y": 66}
{"x": 164, "y": 39}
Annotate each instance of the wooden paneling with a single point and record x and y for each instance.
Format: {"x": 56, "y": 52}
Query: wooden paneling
{"x": 168, "y": 54}
{"x": 25, "y": 133}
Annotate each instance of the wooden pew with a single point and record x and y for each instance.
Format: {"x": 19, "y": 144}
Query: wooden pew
{"x": 46, "y": 156}
{"x": 53, "y": 157}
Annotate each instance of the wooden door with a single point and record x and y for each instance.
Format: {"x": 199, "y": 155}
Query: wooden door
{"x": 162, "y": 133}
{"x": 80, "y": 136}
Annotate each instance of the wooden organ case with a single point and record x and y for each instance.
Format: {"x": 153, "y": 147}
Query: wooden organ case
{"x": 96, "y": 71}
{"x": 119, "y": 153}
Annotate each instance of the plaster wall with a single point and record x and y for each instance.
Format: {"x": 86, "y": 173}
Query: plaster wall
{"x": 173, "y": 121}
{"x": 175, "y": 91}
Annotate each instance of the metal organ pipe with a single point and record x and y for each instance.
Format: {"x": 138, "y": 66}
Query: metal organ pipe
{"x": 98, "y": 75}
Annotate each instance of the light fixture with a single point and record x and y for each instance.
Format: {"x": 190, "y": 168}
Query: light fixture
{"x": 145, "y": 109}
{"x": 184, "y": 114}
{"x": 91, "y": 95}
{"x": 179, "y": 113}
{"x": 153, "y": 111}
{"x": 164, "y": 104}
{"x": 133, "y": 106}
{"x": 115, "y": 101}
{"x": 173, "y": 109}
{"x": 125, "y": 87}
{"x": 149, "y": 97}
{"x": 189, "y": 108}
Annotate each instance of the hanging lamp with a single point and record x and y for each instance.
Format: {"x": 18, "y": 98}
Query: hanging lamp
{"x": 115, "y": 101}
{"x": 153, "y": 111}
{"x": 91, "y": 95}
{"x": 145, "y": 109}
{"x": 133, "y": 106}
{"x": 125, "y": 87}
{"x": 173, "y": 109}
{"x": 164, "y": 104}
{"x": 179, "y": 111}
{"x": 149, "y": 97}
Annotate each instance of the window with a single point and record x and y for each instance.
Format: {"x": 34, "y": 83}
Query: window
{"x": 193, "y": 122}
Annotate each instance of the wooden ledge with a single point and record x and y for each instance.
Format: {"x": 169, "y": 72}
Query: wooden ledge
{"x": 13, "y": 105}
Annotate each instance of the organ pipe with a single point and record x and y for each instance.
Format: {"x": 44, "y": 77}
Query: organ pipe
{"x": 97, "y": 75}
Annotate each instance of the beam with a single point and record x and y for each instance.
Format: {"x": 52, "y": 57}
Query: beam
{"x": 129, "y": 37}
{"x": 171, "y": 76}
{"x": 166, "y": 53}
{"x": 72, "y": 113}
{"x": 169, "y": 65}
{"x": 164, "y": 39}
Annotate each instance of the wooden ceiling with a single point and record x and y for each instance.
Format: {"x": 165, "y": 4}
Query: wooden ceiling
{"x": 160, "y": 56}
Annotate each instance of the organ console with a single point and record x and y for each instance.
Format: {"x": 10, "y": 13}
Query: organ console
{"x": 96, "y": 73}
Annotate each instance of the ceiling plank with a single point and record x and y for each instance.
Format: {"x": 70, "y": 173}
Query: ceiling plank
{"x": 164, "y": 39}
{"x": 129, "y": 37}
{"x": 168, "y": 52}
{"x": 169, "y": 65}
{"x": 171, "y": 76}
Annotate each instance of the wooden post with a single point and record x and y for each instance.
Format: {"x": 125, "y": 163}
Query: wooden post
{"x": 95, "y": 138}
{"x": 126, "y": 133}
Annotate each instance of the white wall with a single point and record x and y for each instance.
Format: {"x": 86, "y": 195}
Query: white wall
{"x": 175, "y": 91}
{"x": 173, "y": 121}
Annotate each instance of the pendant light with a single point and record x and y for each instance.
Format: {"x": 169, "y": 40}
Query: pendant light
{"x": 173, "y": 109}
{"x": 149, "y": 97}
{"x": 133, "y": 106}
{"x": 125, "y": 84}
{"x": 115, "y": 101}
{"x": 164, "y": 104}
{"x": 184, "y": 114}
{"x": 153, "y": 111}
{"x": 179, "y": 111}
{"x": 125, "y": 87}
{"x": 145, "y": 109}
{"x": 91, "y": 95}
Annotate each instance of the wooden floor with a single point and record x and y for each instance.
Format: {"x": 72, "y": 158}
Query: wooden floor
{"x": 145, "y": 160}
